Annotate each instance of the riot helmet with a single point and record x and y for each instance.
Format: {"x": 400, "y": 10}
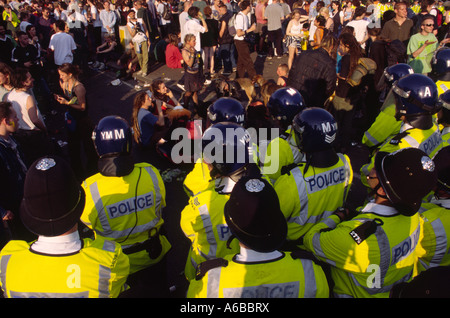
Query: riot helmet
{"x": 416, "y": 98}
{"x": 226, "y": 147}
{"x": 284, "y": 104}
{"x": 226, "y": 109}
{"x": 112, "y": 137}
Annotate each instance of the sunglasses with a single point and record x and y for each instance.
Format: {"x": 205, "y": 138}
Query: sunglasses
{"x": 428, "y": 25}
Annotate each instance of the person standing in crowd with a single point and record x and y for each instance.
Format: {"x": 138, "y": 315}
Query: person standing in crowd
{"x": 242, "y": 24}
{"x": 108, "y": 18}
{"x": 96, "y": 22}
{"x": 141, "y": 41}
{"x": 275, "y": 16}
{"x": 202, "y": 220}
{"x": 44, "y": 27}
{"x": 313, "y": 73}
{"x": 227, "y": 49}
{"x": 165, "y": 24}
{"x": 62, "y": 45}
{"x": 345, "y": 98}
{"x": 294, "y": 36}
{"x": 400, "y": 27}
{"x": 139, "y": 230}
{"x": 209, "y": 41}
{"x": 13, "y": 170}
{"x": 422, "y": 46}
{"x": 32, "y": 132}
{"x": 5, "y": 79}
{"x": 7, "y": 44}
{"x": 51, "y": 208}
{"x": 268, "y": 272}
{"x": 399, "y": 181}
{"x": 282, "y": 151}
{"x": 78, "y": 123}
{"x": 359, "y": 24}
{"x": 434, "y": 245}
{"x": 195, "y": 25}
{"x": 193, "y": 76}
{"x": 304, "y": 199}
{"x": 261, "y": 26}
{"x": 183, "y": 17}
{"x": 416, "y": 111}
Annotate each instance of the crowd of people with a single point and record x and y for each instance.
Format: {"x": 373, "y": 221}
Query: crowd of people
{"x": 270, "y": 215}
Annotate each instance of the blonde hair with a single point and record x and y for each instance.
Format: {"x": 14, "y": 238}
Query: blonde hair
{"x": 324, "y": 12}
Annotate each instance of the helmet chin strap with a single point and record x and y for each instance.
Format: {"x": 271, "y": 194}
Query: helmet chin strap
{"x": 374, "y": 192}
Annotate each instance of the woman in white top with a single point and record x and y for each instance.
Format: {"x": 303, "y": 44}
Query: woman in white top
{"x": 294, "y": 36}
{"x": 32, "y": 132}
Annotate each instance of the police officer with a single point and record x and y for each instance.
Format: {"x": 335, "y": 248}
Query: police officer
{"x": 283, "y": 105}
{"x": 416, "y": 101}
{"x": 436, "y": 217}
{"x": 440, "y": 69}
{"x": 315, "y": 188}
{"x": 224, "y": 109}
{"x": 59, "y": 264}
{"x": 227, "y": 153}
{"x": 444, "y": 117}
{"x": 124, "y": 204}
{"x": 385, "y": 124}
{"x": 259, "y": 269}
{"x": 377, "y": 248}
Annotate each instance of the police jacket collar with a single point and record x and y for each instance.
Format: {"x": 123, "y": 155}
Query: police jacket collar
{"x": 380, "y": 209}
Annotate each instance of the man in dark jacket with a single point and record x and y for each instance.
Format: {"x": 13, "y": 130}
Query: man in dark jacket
{"x": 313, "y": 73}
{"x": 12, "y": 170}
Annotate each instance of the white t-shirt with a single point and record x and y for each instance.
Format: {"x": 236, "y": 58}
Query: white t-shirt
{"x": 193, "y": 26}
{"x": 182, "y": 18}
{"x": 97, "y": 22}
{"x": 360, "y": 27}
{"x": 241, "y": 23}
{"x": 62, "y": 45}
{"x": 18, "y": 100}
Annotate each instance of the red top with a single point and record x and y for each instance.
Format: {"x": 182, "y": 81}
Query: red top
{"x": 173, "y": 56}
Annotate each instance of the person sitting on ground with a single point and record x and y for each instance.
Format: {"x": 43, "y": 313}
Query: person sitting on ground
{"x": 128, "y": 62}
{"x": 145, "y": 124}
{"x": 106, "y": 52}
{"x": 164, "y": 98}
{"x": 174, "y": 59}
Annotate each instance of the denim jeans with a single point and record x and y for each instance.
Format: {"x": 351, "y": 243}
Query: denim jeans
{"x": 227, "y": 57}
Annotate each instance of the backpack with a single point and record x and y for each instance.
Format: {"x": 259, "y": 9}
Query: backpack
{"x": 439, "y": 17}
{"x": 365, "y": 66}
{"x": 167, "y": 14}
{"x": 231, "y": 27}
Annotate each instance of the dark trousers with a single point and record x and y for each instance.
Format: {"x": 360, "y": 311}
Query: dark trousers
{"x": 275, "y": 37}
{"x": 244, "y": 61}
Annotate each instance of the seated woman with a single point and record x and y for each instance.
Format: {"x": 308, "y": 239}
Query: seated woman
{"x": 106, "y": 52}
{"x": 174, "y": 59}
{"x": 164, "y": 98}
{"x": 147, "y": 126}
